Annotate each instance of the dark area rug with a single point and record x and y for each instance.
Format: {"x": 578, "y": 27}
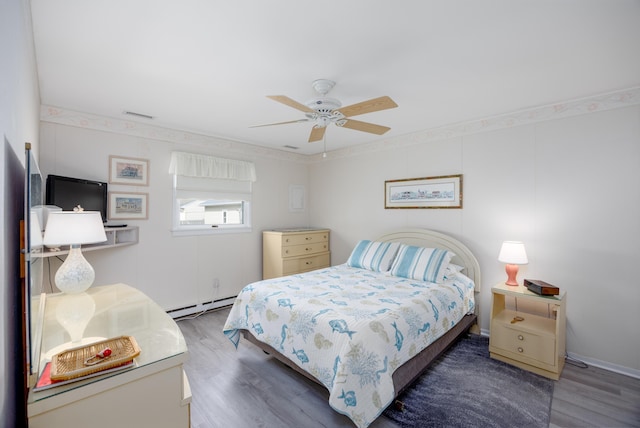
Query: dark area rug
{"x": 466, "y": 388}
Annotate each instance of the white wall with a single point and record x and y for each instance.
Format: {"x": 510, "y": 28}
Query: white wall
{"x": 19, "y": 106}
{"x": 567, "y": 187}
{"x": 175, "y": 271}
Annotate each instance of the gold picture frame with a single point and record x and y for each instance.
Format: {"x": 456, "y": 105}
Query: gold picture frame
{"x": 129, "y": 171}
{"x": 443, "y": 191}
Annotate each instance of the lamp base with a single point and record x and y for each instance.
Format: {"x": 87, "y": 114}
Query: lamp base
{"x": 512, "y": 272}
{"x": 76, "y": 274}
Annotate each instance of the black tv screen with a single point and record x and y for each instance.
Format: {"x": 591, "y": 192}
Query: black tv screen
{"x": 67, "y": 193}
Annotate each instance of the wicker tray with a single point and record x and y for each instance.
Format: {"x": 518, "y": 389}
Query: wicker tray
{"x": 70, "y": 364}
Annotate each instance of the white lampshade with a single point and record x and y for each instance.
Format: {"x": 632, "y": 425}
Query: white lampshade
{"x": 35, "y": 232}
{"x": 74, "y": 228}
{"x": 513, "y": 252}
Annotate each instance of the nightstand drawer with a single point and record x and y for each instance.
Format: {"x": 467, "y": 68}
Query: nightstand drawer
{"x": 305, "y": 264}
{"x": 538, "y": 347}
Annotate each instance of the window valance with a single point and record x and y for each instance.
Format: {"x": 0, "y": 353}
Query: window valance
{"x": 204, "y": 166}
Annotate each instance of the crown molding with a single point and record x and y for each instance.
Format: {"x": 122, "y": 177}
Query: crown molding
{"x": 68, "y": 117}
{"x": 602, "y": 102}
{"x": 597, "y": 103}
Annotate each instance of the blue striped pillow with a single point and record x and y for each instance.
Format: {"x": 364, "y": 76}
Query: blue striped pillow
{"x": 373, "y": 255}
{"x": 423, "y": 264}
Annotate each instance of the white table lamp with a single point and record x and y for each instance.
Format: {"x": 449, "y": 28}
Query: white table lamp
{"x": 513, "y": 254}
{"x": 74, "y": 228}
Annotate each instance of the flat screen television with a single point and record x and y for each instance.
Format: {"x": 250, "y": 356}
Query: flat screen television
{"x": 67, "y": 193}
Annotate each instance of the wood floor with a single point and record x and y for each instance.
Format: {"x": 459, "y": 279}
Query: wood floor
{"x": 247, "y": 388}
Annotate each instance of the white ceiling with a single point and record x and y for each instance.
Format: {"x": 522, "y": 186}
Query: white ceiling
{"x": 206, "y": 66}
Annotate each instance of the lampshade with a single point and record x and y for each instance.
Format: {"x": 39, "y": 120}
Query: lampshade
{"x": 513, "y": 252}
{"x": 35, "y": 232}
{"x": 74, "y": 228}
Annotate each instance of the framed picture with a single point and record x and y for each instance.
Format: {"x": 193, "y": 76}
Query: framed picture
{"x": 128, "y": 206}
{"x": 130, "y": 171}
{"x": 427, "y": 192}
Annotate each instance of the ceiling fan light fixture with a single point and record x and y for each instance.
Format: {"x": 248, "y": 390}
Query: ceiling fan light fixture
{"x": 324, "y": 104}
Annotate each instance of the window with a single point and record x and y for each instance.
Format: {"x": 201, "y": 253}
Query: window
{"x": 216, "y": 197}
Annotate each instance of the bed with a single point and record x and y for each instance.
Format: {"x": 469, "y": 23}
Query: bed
{"x": 365, "y": 329}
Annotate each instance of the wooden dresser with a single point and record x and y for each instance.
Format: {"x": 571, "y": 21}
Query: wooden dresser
{"x": 291, "y": 251}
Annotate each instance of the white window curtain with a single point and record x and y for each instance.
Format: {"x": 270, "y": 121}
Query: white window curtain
{"x": 205, "y": 177}
{"x": 204, "y": 166}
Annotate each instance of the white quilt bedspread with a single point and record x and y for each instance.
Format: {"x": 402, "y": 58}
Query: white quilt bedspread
{"x": 350, "y": 328}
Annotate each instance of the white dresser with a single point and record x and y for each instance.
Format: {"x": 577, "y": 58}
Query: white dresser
{"x": 291, "y": 251}
{"x": 154, "y": 393}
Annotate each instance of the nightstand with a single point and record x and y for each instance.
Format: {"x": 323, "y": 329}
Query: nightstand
{"x": 526, "y": 335}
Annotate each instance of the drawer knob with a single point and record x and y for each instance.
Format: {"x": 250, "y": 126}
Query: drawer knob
{"x": 307, "y": 249}
{"x": 308, "y": 238}
{"x": 309, "y": 263}
{"x": 520, "y": 337}
{"x": 520, "y": 350}
{"x": 286, "y": 251}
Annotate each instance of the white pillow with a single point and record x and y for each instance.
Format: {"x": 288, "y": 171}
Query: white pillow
{"x": 452, "y": 270}
{"x": 373, "y": 255}
{"x": 423, "y": 264}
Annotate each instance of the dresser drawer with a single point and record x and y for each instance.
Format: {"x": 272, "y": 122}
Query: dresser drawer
{"x": 526, "y": 344}
{"x": 301, "y": 250}
{"x": 305, "y": 264}
{"x": 306, "y": 238}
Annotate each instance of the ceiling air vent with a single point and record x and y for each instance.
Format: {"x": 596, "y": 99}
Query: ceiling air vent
{"x": 140, "y": 115}
{"x": 291, "y": 147}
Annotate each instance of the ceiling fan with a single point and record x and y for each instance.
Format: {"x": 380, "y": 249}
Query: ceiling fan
{"x": 322, "y": 111}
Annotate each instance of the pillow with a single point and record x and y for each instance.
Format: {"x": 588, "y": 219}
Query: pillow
{"x": 423, "y": 264}
{"x": 454, "y": 267}
{"x": 452, "y": 270}
{"x": 373, "y": 255}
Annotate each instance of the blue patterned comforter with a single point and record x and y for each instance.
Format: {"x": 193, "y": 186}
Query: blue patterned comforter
{"x": 350, "y": 328}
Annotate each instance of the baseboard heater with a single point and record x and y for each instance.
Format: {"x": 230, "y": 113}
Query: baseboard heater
{"x": 200, "y": 307}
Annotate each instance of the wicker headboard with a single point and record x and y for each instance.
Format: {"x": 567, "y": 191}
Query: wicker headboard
{"x": 430, "y": 239}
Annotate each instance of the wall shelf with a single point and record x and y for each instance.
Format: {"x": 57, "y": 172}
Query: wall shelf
{"x": 116, "y": 237}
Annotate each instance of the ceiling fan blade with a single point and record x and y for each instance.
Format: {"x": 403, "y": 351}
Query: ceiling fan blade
{"x": 280, "y": 123}
{"x": 317, "y": 133}
{"x": 376, "y": 104}
{"x": 291, "y": 103}
{"x": 364, "y": 126}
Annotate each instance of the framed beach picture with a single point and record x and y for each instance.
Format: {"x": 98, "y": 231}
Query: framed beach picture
{"x": 130, "y": 171}
{"x": 426, "y": 192}
{"x": 128, "y": 206}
